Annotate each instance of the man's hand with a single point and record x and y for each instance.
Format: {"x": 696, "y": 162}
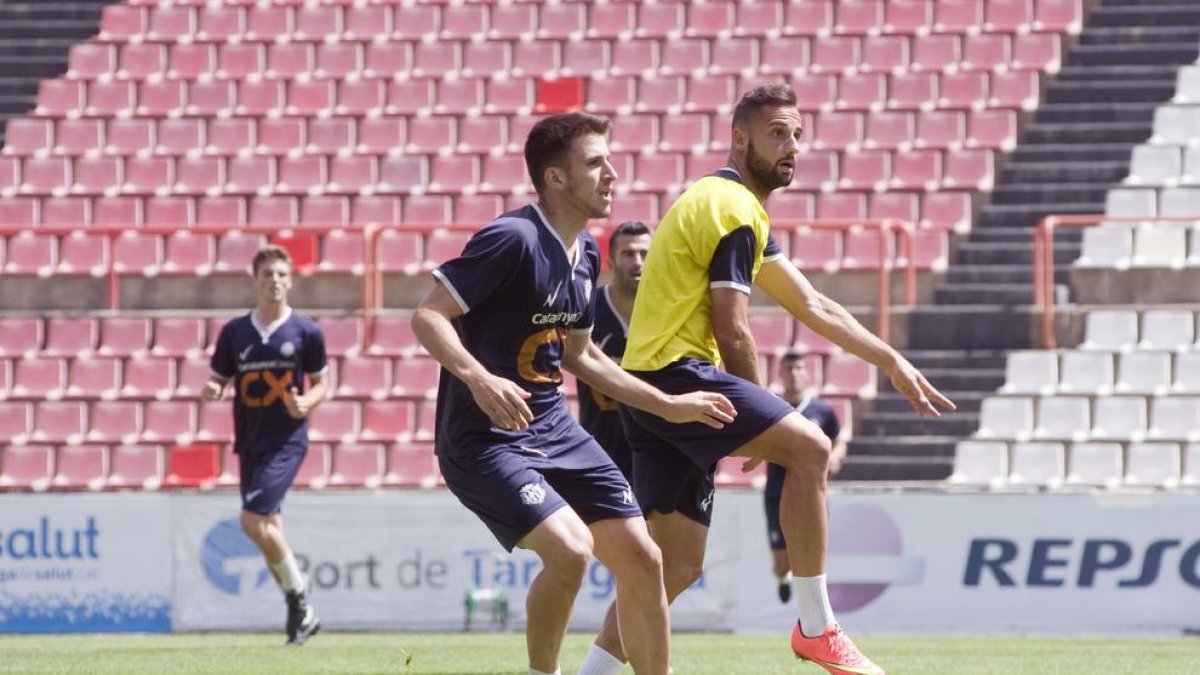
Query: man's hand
{"x": 503, "y": 401}
{"x": 212, "y": 390}
{"x": 299, "y": 405}
{"x": 706, "y": 407}
{"x": 923, "y": 397}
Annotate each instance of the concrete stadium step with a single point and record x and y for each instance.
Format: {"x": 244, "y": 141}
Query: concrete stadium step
{"x": 975, "y": 327}
{"x": 36, "y": 67}
{"x": 1125, "y": 132}
{"x": 966, "y": 402}
{"x": 997, "y": 274}
{"x": 957, "y": 424}
{"x": 971, "y": 253}
{"x": 1064, "y": 172}
{"x": 1049, "y": 193}
{"x": 54, "y": 11}
{"x": 1138, "y": 35}
{"x": 1098, "y": 55}
{"x": 1144, "y": 72}
{"x": 966, "y": 377}
{"x": 990, "y": 293}
{"x": 1059, "y": 152}
{"x": 24, "y": 29}
{"x": 1180, "y": 13}
{"x": 44, "y": 47}
{"x": 11, "y": 105}
{"x": 942, "y": 359}
{"x": 889, "y": 468}
{"x": 1021, "y": 235}
{"x": 1024, "y": 215}
{"x": 1105, "y": 91}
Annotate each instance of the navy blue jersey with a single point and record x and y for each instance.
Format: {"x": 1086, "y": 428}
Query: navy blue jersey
{"x": 597, "y": 412}
{"x": 264, "y": 362}
{"x": 819, "y": 412}
{"x": 521, "y": 293}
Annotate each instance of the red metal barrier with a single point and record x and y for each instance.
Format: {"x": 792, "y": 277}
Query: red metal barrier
{"x": 1043, "y": 260}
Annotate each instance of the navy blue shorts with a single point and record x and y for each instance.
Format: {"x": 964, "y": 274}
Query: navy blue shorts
{"x": 514, "y": 488}
{"x": 673, "y": 464}
{"x": 266, "y": 478}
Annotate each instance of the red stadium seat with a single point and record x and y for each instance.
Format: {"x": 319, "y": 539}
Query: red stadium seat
{"x": 357, "y": 465}
{"x": 120, "y": 23}
{"x": 79, "y": 253}
{"x": 947, "y": 210}
{"x": 194, "y": 373}
{"x": 115, "y": 421}
{"x": 343, "y": 334}
{"x": 415, "y": 377}
{"x": 30, "y": 253}
{"x": 178, "y": 336}
{"x": 236, "y": 250}
{"x": 334, "y": 421}
{"x": 410, "y": 466}
{"x": 387, "y": 420}
{"x": 20, "y": 336}
{"x": 195, "y": 465}
{"x": 70, "y": 336}
{"x": 216, "y": 422}
{"x": 958, "y": 16}
{"x": 848, "y": 375}
{"x": 94, "y": 378}
{"x": 342, "y": 251}
{"x": 314, "y": 470}
{"x": 135, "y": 466}
{"x": 393, "y": 336}
{"x": 59, "y": 422}
{"x": 916, "y": 169}
{"x": 148, "y": 377}
{"x": 27, "y": 467}
{"x": 79, "y": 137}
{"x": 865, "y": 170}
{"x": 125, "y": 336}
{"x": 39, "y": 378}
{"x": 936, "y": 53}
{"x": 170, "y": 421}
{"x": 365, "y": 377}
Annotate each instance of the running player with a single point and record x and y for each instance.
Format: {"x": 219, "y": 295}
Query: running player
{"x": 691, "y": 315}
{"x": 503, "y": 317}
{"x": 267, "y": 354}
{"x": 627, "y": 247}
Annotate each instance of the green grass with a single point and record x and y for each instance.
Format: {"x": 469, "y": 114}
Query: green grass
{"x": 693, "y": 654}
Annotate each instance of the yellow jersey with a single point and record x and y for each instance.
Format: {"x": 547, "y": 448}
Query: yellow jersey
{"x": 688, "y": 256}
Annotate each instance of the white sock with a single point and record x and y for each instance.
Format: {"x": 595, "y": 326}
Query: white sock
{"x": 599, "y": 662}
{"x": 535, "y": 671}
{"x": 288, "y": 573}
{"x": 816, "y": 614}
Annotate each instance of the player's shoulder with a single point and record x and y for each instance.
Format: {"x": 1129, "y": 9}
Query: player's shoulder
{"x": 821, "y": 406}
{"x": 518, "y": 225}
{"x": 241, "y": 322}
{"x": 305, "y": 324}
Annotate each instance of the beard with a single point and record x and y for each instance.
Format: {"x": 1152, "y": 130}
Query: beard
{"x": 765, "y": 173}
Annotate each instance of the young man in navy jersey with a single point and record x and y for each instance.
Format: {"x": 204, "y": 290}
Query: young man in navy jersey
{"x": 267, "y": 354}
{"x": 627, "y": 246}
{"x": 799, "y": 392}
{"x": 503, "y": 317}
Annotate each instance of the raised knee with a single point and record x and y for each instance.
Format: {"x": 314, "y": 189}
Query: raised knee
{"x": 253, "y": 525}
{"x": 642, "y": 560}
{"x": 811, "y": 456}
{"x": 571, "y": 558}
{"x": 678, "y": 577}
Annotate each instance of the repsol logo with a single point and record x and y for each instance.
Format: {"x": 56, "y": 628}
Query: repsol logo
{"x": 1081, "y": 563}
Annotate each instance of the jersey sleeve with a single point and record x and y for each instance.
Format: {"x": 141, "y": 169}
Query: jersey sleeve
{"x": 222, "y": 362}
{"x": 772, "y": 252}
{"x": 487, "y": 263}
{"x": 315, "y": 359}
{"x": 732, "y": 263}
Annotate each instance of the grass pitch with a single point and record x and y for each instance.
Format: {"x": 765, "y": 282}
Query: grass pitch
{"x": 693, "y": 654}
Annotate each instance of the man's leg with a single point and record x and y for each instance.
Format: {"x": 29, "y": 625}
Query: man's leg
{"x": 564, "y": 544}
{"x": 682, "y": 542}
{"x": 267, "y": 533}
{"x": 799, "y": 446}
{"x": 625, "y": 547}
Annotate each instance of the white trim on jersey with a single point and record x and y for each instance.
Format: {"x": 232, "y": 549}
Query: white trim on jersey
{"x": 730, "y": 284}
{"x": 265, "y": 332}
{"x": 462, "y": 304}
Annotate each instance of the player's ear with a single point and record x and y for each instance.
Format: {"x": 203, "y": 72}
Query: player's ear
{"x": 555, "y": 177}
{"x": 740, "y": 137}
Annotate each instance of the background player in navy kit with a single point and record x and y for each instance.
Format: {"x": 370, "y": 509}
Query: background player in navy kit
{"x": 627, "y": 246}
{"x": 501, "y": 320}
{"x": 802, "y": 395}
{"x": 267, "y": 353}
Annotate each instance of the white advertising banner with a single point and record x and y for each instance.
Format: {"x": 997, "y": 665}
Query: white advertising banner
{"x": 85, "y": 563}
{"x": 898, "y": 563}
{"x": 391, "y": 560}
{"x": 1016, "y": 563}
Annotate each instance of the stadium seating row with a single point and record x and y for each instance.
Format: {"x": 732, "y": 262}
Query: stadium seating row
{"x": 1082, "y": 418}
{"x": 146, "y": 20}
{"x": 1120, "y": 246}
{"x": 663, "y": 172}
{"x": 1089, "y": 464}
{"x": 150, "y": 466}
{"x": 1121, "y": 330}
{"x": 467, "y": 58}
{"x": 137, "y": 376}
{"x": 1093, "y": 373}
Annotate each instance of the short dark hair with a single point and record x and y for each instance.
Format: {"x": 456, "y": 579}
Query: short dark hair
{"x": 267, "y": 254}
{"x": 551, "y": 138}
{"x": 763, "y": 96}
{"x": 629, "y": 228}
{"x": 791, "y": 355}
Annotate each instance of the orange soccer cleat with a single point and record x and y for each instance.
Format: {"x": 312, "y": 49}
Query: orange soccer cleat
{"x": 834, "y": 651}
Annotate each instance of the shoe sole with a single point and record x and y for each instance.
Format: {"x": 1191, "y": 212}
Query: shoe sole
{"x": 303, "y": 637}
{"x": 829, "y": 668}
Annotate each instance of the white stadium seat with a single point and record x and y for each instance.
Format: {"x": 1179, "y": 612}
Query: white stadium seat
{"x": 1095, "y": 464}
{"x": 1042, "y": 464}
{"x": 1005, "y": 417}
{"x": 980, "y": 463}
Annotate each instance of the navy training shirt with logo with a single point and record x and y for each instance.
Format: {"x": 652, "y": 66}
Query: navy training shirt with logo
{"x": 597, "y": 412}
{"x": 521, "y": 293}
{"x": 264, "y": 362}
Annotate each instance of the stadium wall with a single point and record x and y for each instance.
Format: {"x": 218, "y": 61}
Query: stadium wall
{"x": 900, "y": 562}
